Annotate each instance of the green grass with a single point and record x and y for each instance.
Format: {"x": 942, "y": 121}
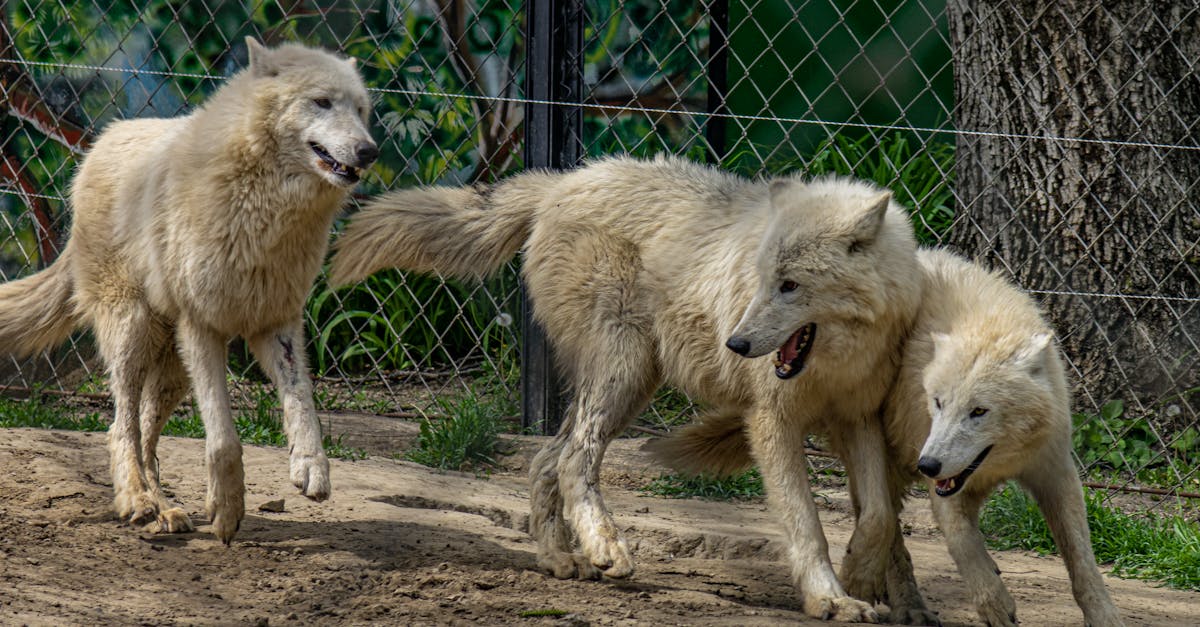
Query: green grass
{"x": 543, "y": 613}
{"x": 258, "y": 424}
{"x": 39, "y": 413}
{"x": 744, "y": 486}
{"x": 467, "y": 437}
{"x": 1157, "y": 548}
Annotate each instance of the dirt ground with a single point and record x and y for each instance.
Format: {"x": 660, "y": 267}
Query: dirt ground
{"x": 400, "y": 544}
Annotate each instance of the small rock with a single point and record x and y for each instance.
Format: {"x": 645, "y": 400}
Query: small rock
{"x": 642, "y": 510}
{"x": 274, "y": 507}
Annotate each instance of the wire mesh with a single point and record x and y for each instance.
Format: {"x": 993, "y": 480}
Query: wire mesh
{"x": 996, "y": 125}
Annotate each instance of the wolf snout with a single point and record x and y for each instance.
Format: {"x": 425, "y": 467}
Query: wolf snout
{"x": 929, "y": 466}
{"x": 739, "y": 345}
{"x": 366, "y": 152}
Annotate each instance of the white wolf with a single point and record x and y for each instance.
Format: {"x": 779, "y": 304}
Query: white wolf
{"x": 981, "y": 398}
{"x": 639, "y": 271}
{"x": 190, "y": 231}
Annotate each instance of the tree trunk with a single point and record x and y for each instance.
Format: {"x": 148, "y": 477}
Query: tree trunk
{"x": 1100, "y": 225}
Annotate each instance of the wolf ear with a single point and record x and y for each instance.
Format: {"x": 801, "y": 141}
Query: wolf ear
{"x": 778, "y": 188}
{"x": 872, "y": 220}
{"x": 353, "y": 61}
{"x": 1032, "y": 356}
{"x": 259, "y": 59}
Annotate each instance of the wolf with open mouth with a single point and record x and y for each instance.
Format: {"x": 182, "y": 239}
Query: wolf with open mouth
{"x": 188, "y": 232}
{"x": 639, "y": 272}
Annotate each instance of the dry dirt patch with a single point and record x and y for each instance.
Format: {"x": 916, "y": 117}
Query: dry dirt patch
{"x": 401, "y": 544}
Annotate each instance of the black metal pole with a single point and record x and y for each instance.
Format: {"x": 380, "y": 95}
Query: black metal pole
{"x": 553, "y": 140}
{"x": 716, "y": 70}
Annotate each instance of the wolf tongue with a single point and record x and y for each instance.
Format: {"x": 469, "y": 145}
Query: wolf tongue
{"x": 790, "y": 348}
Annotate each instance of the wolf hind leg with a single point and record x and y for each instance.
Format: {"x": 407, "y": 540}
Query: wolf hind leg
{"x": 556, "y": 552}
{"x": 166, "y": 384}
{"x": 120, "y": 333}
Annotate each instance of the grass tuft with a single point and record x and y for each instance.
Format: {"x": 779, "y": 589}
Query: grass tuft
{"x": 468, "y": 435}
{"x": 744, "y": 486}
{"x": 1158, "y": 548}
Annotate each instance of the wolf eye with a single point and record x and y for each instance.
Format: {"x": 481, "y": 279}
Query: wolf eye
{"x": 324, "y": 103}
{"x": 937, "y": 402}
{"x": 977, "y": 412}
{"x": 856, "y": 246}
{"x": 788, "y": 286}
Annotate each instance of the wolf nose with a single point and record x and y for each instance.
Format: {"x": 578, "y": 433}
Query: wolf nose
{"x": 929, "y": 467}
{"x": 738, "y": 345}
{"x": 367, "y": 153}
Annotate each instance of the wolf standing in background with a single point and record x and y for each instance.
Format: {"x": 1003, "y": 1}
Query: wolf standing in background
{"x": 639, "y": 271}
{"x": 188, "y": 232}
{"x": 981, "y": 398}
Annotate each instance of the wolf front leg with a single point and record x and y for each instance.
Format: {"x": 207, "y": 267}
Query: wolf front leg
{"x": 778, "y": 446}
{"x": 281, "y": 354}
{"x": 1055, "y": 485}
{"x": 958, "y": 518}
{"x": 204, "y": 354}
{"x": 875, "y": 509}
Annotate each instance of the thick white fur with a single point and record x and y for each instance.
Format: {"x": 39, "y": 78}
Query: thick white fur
{"x": 981, "y": 343}
{"x": 978, "y": 342}
{"x": 190, "y": 231}
{"x": 639, "y": 272}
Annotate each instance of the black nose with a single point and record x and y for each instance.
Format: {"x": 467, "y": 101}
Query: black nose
{"x": 929, "y": 467}
{"x": 738, "y": 345}
{"x": 366, "y": 152}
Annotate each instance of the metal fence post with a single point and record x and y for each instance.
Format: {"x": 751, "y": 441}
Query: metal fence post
{"x": 717, "y": 73}
{"x": 553, "y": 139}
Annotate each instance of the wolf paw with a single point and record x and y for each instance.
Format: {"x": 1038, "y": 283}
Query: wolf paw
{"x": 998, "y": 611}
{"x": 225, "y": 508}
{"x": 310, "y": 473}
{"x": 843, "y": 609}
{"x": 611, "y": 556}
{"x": 136, "y": 508}
{"x": 564, "y": 565}
{"x": 900, "y": 615}
{"x": 862, "y": 582}
{"x": 173, "y": 520}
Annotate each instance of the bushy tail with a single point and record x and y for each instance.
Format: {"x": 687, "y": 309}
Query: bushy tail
{"x": 465, "y": 232}
{"x": 714, "y": 444}
{"x": 37, "y": 312}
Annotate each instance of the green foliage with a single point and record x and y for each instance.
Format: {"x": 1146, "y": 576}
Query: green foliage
{"x": 543, "y": 613}
{"x": 1114, "y": 440}
{"x": 337, "y": 450}
{"x": 468, "y": 434}
{"x": 1159, "y": 548}
{"x": 919, "y": 174}
{"x": 398, "y": 321}
{"x": 744, "y": 486}
{"x": 38, "y": 412}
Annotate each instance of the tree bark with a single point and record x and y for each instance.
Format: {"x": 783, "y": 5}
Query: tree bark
{"x": 1080, "y": 190}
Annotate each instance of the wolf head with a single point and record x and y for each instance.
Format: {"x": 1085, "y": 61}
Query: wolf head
{"x": 833, "y": 258}
{"x": 318, "y": 110}
{"x": 989, "y": 399}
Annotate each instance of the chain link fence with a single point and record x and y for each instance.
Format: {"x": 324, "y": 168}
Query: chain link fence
{"x": 1057, "y": 145}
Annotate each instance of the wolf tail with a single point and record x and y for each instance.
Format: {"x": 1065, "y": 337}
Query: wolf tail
{"x": 463, "y": 232}
{"x": 38, "y": 312}
{"x": 714, "y": 444}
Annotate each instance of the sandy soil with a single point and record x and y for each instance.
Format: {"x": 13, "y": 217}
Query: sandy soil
{"x": 400, "y": 544}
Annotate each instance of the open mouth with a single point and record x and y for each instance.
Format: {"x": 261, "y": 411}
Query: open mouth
{"x": 947, "y": 487}
{"x": 348, "y": 173}
{"x": 790, "y": 359}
